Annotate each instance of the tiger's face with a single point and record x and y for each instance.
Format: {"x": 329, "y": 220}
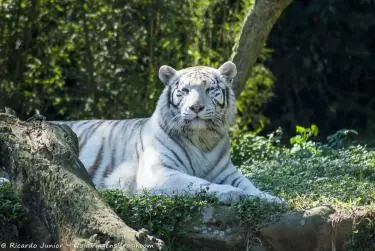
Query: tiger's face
{"x": 199, "y": 98}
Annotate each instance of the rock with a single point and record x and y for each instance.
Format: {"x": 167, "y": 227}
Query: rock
{"x": 317, "y": 229}
{"x": 216, "y": 228}
{"x": 8, "y": 234}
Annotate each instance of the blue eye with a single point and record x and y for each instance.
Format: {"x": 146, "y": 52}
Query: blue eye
{"x": 185, "y": 90}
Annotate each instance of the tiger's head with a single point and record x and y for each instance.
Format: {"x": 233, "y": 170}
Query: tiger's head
{"x": 197, "y": 99}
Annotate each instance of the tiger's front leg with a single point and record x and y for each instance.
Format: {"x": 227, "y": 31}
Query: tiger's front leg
{"x": 166, "y": 181}
{"x": 236, "y": 179}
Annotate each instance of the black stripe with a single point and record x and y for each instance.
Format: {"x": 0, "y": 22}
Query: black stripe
{"x": 88, "y": 133}
{"x": 169, "y": 96}
{"x": 222, "y": 153}
{"x": 109, "y": 168}
{"x": 80, "y": 125}
{"x": 141, "y": 123}
{"x": 220, "y": 169}
{"x": 111, "y": 134}
{"x": 92, "y": 169}
{"x": 173, "y": 152}
{"x": 226, "y": 177}
{"x": 233, "y": 183}
{"x": 137, "y": 151}
{"x": 182, "y": 148}
{"x": 171, "y": 159}
{"x": 188, "y": 158}
{"x": 171, "y": 92}
{"x": 170, "y": 167}
{"x": 227, "y": 95}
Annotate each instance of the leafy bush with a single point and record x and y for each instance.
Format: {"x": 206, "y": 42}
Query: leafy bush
{"x": 248, "y": 147}
{"x": 11, "y": 209}
{"x": 164, "y": 216}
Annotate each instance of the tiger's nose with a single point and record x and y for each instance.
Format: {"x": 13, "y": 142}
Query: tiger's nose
{"x": 196, "y": 108}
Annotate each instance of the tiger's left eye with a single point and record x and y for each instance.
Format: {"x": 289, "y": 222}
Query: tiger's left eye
{"x": 185, "y": 90}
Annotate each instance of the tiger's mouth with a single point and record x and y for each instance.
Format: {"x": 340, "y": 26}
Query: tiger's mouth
{"x": 194, "y": 120}
{"x": 196, "y": 123}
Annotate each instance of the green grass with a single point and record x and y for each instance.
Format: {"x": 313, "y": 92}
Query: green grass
{"x": 308, "y": 174}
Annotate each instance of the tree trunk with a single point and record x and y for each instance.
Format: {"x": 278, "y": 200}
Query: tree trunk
{"x": 63, "y": 206}
{"x": 254, "y": 33}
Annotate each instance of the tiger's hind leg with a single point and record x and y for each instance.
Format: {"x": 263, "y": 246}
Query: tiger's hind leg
{"x": 123, "y": 177}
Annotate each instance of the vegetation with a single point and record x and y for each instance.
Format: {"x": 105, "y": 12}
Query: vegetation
{"x": 166, "y": 217}
{"x": 11, "y": 210}
{"x": 99, "y": 59}
{"x": 306, "y": 174}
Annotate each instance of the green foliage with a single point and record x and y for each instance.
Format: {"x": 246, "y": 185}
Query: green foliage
{"x": 304, "y": 134}
{"x": 249, "y": 147}
{"x": 363, "y": 235}
{"x": 11, "y": 209}
{"x": 164, "y": 216}
{"x": 302, "y": 144}
{"x": 99, "y": 59}
{"x": 312, "y": 174}
{"x": 169, "y": 217}
{"x": 256, "y": 212}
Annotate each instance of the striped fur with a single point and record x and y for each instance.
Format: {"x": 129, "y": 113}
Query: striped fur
{"x": 182, "y": 148}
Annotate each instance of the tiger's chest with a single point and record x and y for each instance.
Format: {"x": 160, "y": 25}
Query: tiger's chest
{"x": 176, "y": 154}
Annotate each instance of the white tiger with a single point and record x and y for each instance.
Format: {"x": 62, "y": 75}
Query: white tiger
{"x": 182, "y": 148}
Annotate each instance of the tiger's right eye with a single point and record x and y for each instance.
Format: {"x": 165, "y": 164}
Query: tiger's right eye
{"x": 185, "y": 90}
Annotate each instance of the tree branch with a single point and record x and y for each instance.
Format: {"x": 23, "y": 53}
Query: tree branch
{"x": 254, "y": 33}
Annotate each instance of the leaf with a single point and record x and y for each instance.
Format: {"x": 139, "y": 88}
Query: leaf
{"x": 314, "y": 129}
{"x": 300, "y": 129}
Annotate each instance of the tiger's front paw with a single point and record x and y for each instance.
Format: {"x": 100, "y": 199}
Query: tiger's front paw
{"x": 231, "y": 195}
{"x": 272, "y": 199}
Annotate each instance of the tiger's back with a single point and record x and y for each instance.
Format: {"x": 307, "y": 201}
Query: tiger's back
{"x": 105, "y": 144}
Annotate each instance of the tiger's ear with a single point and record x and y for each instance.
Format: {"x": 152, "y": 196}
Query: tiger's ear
{"x": 228, "y": 70}
{"x": 166, "y": 73}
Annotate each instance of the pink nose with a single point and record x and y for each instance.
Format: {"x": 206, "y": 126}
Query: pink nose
{"x": 196, "y": 108}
